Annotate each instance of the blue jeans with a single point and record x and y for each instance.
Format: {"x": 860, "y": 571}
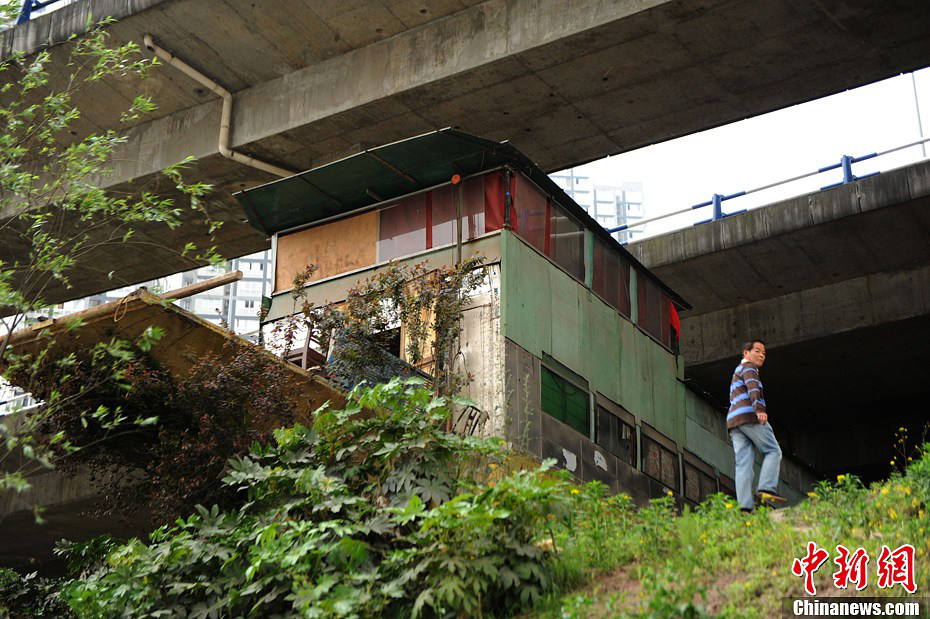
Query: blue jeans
{"x": 744, "y": 438}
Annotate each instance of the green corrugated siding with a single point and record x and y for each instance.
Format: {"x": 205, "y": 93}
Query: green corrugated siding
{"x": 545, "y": 310}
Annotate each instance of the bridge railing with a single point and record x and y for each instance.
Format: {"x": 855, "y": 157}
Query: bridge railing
{"x": 716, "y": 202}
{"x": 25, "y": 14}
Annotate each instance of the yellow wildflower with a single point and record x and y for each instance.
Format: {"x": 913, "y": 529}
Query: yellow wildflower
{"x": 492, "y": 466}
{"x": 576, "y": 491}
{"x": 729, "y": 505}
{"x": 892, "y": 513}
{"x": 891, "y": 463}
{"x": 840, "y": 477}
{"x": 669, "y": 492}
{"x": 812, "y": 495}
{"x": 748, "y": 524}
{"x": 885, "y": 490}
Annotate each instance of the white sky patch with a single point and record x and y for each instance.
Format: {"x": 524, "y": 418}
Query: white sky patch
{"x": 764, "y": 149}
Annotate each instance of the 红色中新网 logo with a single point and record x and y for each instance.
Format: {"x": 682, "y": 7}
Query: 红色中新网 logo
{"x": 893, "y": 567}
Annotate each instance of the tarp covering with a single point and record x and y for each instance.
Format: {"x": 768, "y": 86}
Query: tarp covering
{"x": 394, "y": 170}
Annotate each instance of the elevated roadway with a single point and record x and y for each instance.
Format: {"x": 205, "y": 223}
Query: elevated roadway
{"x": 837, "y": 283}
{"x": 565, "y": 81}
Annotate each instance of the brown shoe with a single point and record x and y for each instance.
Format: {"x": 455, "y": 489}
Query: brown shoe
{"x": 769, "y": 497}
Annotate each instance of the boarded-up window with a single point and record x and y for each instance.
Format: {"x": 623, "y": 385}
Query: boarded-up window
{"x": 566, "y": 242}
{"x": 660, "y": 462}
{"x": 698, "y": 484}
{"x": 611, "y": 276}
{"x": 402, "y": 228}
{"x": 565, "y": 401}
{"x": 532, "y": 213}
{"x": 616, "y": 436}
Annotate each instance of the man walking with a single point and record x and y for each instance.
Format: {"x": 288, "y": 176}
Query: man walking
{"x": 747, "y": 422}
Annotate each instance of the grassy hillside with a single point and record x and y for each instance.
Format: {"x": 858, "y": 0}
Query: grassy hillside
{"x": 718, "y": 561}
{"x": 376, "y": 511}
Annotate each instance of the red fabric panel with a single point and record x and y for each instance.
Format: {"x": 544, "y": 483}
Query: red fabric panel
{"x": 674, "y": 319}
{"x": 493, "y": 201}
{"x": 531, "y": 212}
{"x": 472, "y": 207}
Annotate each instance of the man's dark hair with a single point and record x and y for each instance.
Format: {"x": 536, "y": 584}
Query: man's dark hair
{"x": 748, "y": 345}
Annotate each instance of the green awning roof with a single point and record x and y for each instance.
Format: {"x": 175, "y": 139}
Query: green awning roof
{"x": 394, "y": 170}
{"x": 372, "y": 176}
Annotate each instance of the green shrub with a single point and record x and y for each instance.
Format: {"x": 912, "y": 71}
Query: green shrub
{"x": 374, "y": 511}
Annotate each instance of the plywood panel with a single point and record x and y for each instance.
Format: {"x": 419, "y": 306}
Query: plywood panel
{"x": 335, "y": 248}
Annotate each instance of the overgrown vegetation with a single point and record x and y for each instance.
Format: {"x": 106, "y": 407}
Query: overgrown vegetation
{"x": 718, "y": 561}
{"x": 116, "y": 414}
{"x": 56, "y": 219}
{"x": 425, "y": 303}
{"x": 372, "y": 511}
{"x": 375, "y": 510}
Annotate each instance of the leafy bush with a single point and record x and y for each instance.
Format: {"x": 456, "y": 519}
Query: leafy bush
{"x": 114, "y": 411}
{"x": 374, "y": 511}
{"x": 29, "y": 595}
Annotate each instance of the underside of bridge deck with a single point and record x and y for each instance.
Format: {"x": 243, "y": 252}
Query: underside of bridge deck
{"x": 566, "y": 82}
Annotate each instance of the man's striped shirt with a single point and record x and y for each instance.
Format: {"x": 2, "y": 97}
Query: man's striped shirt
{"x": 745, "y": 395}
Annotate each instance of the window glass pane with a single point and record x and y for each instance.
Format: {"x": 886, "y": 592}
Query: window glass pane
{"x": 627, "y": 442}
{"x": 649, "y": 304}
{"x": 566, "y": 242}
{"x": 530, "y": 206}
{"x": 402, "y": 228}
{"x": 660, "y": 463}
{"x": 611, "y": 276}
{"x": 565, "y": 402}
{"x": 616, "y": 436}
{"x": 443, "y": 201}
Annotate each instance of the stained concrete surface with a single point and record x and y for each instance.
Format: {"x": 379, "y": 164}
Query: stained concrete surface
{"x": 566, "y": 82}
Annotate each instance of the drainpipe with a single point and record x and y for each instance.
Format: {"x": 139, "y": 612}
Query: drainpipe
{"x": 226, "y": 117}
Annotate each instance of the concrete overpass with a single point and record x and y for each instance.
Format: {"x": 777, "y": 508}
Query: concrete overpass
{"x": 837, "y": 283}
{"x": 565, "y": 81}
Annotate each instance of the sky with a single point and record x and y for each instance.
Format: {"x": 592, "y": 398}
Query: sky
{"x": 772, "y": 147}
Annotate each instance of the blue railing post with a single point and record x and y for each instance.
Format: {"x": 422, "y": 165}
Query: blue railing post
{"x": 846, "y": 163}
{"x": 25, "y": 13}
{"x": 718, "y": 206}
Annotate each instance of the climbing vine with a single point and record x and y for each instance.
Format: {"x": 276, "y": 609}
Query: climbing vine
{"x": 424, "y": 302}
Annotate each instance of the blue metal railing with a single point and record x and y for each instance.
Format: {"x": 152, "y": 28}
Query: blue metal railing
{"x": 32, "y": 5}
{"x": 845, "y": 164}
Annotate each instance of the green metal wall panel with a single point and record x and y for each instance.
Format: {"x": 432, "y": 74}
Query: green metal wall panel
{"x": 544, "y": 310}
{"x": 602, "y": 346}
{"x": 569, "y": 320}
{"x": 525, "y": 296}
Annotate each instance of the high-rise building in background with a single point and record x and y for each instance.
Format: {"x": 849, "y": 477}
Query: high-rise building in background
{"x": 235, "y": 305}
{"x": 609, "y": 205}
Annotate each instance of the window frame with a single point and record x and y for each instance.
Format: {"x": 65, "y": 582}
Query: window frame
{"x": 570, "y": 378}
{"x": 649, "y": 433}
{"x": 624, "y": 417}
